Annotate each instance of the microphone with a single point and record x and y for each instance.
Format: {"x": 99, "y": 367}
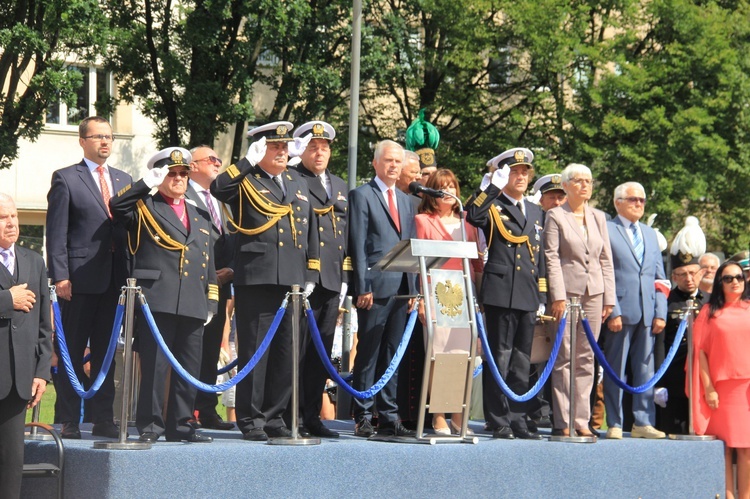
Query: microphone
{"x": 416, "y": 188}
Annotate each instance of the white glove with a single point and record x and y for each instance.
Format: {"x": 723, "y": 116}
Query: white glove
{"x": 661, "y": 396}
{"x": 155, "y": 176}
{"x": 500, "y": 177}
{"x": 299, "y": 145}
{"x": 485, "y": 181}
{"x": 342, "y": 295}
{"x": 309, "y": 288}
{"x": 542, "y": 308}
{"x": 256, "y": 151}
{"x": 210, "y": 316}
{"x": 293, "y": 161}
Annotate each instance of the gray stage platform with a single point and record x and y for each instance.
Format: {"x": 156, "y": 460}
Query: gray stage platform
{"x": 353, "y": 467}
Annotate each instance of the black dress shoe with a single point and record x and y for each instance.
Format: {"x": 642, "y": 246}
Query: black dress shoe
{"x": 557, "y": 432}
{"x": 105, "y": 429}
{"x": 303, "y": 432}
{"x": 525, "y": 434}
{"x": 70, "y": 430}
{"x": 320, "y": 430}
{"x": 193, "y": 438}
{"x": 214, "y": 422}
{"x": 281, "y": 431}
{"x": 364, "y": 429}
{"x": 149, "y": 437}
{"x": 255, "y": 435}
{"x": 503, "y": 432}
{"x": 531, "y": 425}
{"x": 194, "y": 424}
{"x": 395, "y": 430}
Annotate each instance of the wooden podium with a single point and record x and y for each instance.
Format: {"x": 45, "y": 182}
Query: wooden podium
{"x": 449, "y": 304}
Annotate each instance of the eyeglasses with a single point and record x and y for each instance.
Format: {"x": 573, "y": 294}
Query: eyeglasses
{"x": 727, "y": 279}
{"x": 181, "y": 173}
{"x": 582, "y": 181}
{"x": 100, "y": 137}
{"x": 634, "y": 200}
{"x": 212, "y": 159}
{"x": 684, "y": 274}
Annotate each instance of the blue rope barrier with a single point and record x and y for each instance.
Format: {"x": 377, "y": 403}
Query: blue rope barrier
{"x": 200, "y": 385}
{"x": 490, "y": 360}
{"x": 616, "y": 378}
{"x": 227, "y": 368}
{"x": 65, "y": 354}
{"x": 333, "y": 372}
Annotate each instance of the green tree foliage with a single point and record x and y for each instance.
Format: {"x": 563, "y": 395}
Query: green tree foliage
{"x": 35, "y": 39}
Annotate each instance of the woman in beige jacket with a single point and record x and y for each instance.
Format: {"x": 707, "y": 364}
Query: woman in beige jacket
{"x": 579, "y": 263}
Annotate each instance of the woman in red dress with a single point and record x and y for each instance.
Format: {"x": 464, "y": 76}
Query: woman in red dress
{"x": 722, "y": 337}
{"x": 438, "y": 219}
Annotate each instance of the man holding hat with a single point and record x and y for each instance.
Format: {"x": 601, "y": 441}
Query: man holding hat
{"x": 170, "y": 240}
{"x": 277, "y": 246}
{"x": 688, "y": 246}
{"x": 513, "y": 287}
{"x": 328, "y": 196}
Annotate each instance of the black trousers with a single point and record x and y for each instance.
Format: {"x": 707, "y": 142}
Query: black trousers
{"x": 263, "y": 395}
{"x": 183, "y": 337}
{"x": 325, "y": 307}
{"x": 213, "y": 332}
{"x": 380, "y": 331}
{"x": 12, "y": 419}
{"x": 87, "y": 320}
{"x": 510, "y": 334}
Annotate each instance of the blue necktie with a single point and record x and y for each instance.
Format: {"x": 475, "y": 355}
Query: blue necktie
{"x": 637, "y": 243}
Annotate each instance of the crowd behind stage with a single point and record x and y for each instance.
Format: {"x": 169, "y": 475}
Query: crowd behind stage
{"x": 215, "y": 252}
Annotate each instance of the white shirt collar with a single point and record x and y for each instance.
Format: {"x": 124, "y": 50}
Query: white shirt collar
{"x": 382, "y": 185}
{"x": 93, "y": 166}
{"x": 627, "y": 223}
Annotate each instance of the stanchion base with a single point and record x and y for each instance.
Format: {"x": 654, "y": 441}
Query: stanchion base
{"x": 293, "y": 441}
{"x": 695, "y": 438}
{"x": 428, "y": 439}
{"x": 38, "y": 437}
{"x": 122, "y": 445}
{"x": 573, "y": 440}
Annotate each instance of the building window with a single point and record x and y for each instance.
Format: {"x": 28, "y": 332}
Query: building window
{"x": 94, "y": 97}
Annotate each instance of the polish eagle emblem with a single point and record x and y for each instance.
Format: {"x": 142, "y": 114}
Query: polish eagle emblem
{"x": 450, "y": 297}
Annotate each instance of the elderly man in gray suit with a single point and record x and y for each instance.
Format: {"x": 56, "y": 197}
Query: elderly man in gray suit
{"x": 25, "y": 344}
{"x": 640, "y": 311}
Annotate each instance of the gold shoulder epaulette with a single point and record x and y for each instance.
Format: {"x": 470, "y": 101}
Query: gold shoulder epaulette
{"x": 124, "y": 190}
{"x": 480, "y": 199}
{"x": 313, "y": 264}
{"x": 347, "y": 266}
{"x": 213, "y": 292}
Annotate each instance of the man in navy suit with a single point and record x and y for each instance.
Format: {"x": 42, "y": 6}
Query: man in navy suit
{"x": 380, "y": 217}
{"x": 88, "y": 265}
{"x": 25, "y": 343}
{"x": 204, "y": 168}
{"x": 639, "y": 312}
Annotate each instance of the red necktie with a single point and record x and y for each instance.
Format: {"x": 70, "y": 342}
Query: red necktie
{"x": 392, "y": 209}
{"x": 105, "y": 188}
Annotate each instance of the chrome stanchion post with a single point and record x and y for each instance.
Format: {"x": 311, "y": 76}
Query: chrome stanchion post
{"x": 33, "y": 433}
{"x": 343, "y": 399}
{"x": 574, "y": 312}
{"x": 295, "y": 439}
{"x": 690, "y": 308}
{"x": 127, "y": 371}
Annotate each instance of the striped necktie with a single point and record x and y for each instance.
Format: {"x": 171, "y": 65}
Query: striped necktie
{"x": 637, "y": 242}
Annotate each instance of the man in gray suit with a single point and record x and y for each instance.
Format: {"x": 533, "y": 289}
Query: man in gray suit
{"x": 380, "y": 217}
{"x": 639, "y": 312}
{"x": 25, "y": 345}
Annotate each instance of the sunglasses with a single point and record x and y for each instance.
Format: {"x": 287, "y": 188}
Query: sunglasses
{"x": 212, "y": 159}
{"x": 634, "y": 200}
{"x": 181, "y": 173}
{"x": 727, "y": 279}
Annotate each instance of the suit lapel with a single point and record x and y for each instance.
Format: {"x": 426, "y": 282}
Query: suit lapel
{"x": 85, "y": 174}
{"x": 6, "y": 279}
{"x": 513, "y": 210}
{"x": 167, "y": 214}
{"x": 625, "y": 233}
{"x": 440, "y": 228}
{"x": 571, "y": 218}
{"x": 22, "y": 266}
{"x": 316, "y": 188}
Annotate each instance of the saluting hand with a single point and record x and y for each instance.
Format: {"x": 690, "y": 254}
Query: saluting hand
{"x": 256, "y": 151}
